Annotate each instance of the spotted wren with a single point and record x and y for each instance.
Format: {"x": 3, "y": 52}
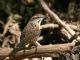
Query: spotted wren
{"x": 31, "y": 31}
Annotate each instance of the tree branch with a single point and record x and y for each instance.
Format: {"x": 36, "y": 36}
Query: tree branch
{"x": 55, "y": 17}
{"x": 49, "y": 26}
{"x": 45, "y": 50}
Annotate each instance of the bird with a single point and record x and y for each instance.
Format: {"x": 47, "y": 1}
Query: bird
{"x": 31, "y": 32}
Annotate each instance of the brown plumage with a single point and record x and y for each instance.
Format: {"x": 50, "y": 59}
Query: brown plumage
{"x": 32, "y": 31}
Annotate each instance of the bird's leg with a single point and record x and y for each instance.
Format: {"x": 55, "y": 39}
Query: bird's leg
{"x": 36, "y": 45}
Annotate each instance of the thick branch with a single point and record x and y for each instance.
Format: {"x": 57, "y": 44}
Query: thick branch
{"x": 40, "y": 50}
{"x": 49, "y": 26}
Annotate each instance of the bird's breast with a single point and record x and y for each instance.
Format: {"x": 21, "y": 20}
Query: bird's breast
{"x": 31, "y": 32}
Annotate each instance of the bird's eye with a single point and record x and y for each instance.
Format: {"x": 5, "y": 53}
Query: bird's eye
{"x": 34, "y": 17}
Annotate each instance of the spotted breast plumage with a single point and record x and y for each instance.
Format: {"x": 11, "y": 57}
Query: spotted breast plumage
{"x": 32, "y": 31}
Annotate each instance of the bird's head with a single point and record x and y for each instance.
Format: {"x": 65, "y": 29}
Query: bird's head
{"x": 38, "y": 18}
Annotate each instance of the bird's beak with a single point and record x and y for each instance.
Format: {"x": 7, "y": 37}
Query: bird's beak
{"x": 41, "y": 19}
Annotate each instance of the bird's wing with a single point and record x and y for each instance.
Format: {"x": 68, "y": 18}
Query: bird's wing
{"x": 30, "y": 33}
